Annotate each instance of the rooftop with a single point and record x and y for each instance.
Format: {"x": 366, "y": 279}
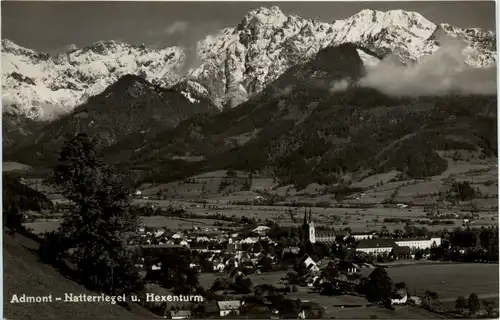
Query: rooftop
{"x": 401, "y": 250}
{"x": 376, "y": 243}
{"x": 181, "y": 313}
{"x": 229, "y": 305}
{"x": 415, "y": 239}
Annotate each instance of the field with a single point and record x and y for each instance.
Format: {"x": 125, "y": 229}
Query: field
{"x": 459, "y": 279}
{"x": 173, "y": 223}
{"x": 43, "y": 226}
{"x": 378, "y": 188}
{"x": 356, "y": 218}
{"x": 335, "y": 306}
{"x": 380, "y": 313}
{"x": 221, "y": 189}
{"x": 176, "y": 223}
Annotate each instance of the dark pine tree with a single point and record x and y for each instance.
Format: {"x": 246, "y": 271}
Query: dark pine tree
{"x": 91, "y": 236}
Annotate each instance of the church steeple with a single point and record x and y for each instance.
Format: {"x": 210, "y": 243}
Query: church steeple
{"x": 312, "y": 229}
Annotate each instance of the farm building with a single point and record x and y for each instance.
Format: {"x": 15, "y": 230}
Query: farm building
{"x": 181, "y": 314}
{"x": 227, "y": 307}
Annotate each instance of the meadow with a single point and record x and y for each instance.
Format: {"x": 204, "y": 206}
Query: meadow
{"x": 358, "y": 219}
{"x": 221, "y": 190}
{"x": 459, "y": 278}
{"x": 335, "y": 306}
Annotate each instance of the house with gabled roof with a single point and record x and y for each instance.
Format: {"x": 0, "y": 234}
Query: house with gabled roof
{"x": 180, "y": 314}
{"x": 309, "y": 263}
{"x": 401, "y": 252}
{"x": 228, "y": 307}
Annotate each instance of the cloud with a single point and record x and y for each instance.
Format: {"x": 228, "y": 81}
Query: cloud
{"x": 441, "y": 73}
{"x": 176, "y": 28}
{"x": 339, "y": 85}
{"x": 187, "y": 36}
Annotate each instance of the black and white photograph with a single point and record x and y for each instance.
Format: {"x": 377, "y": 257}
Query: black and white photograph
{"x": 249, "y": 160}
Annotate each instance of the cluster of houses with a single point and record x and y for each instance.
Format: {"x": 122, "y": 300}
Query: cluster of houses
{"x": 227, "y": 249}
{"x": 349, "y": 275}
{"x": 223, "y": 249}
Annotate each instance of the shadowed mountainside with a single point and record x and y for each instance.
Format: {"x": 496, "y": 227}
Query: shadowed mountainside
{"x": 130, "y": 106}
{"x": 314, "y": 124}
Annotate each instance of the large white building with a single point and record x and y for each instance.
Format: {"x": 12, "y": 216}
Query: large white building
{"x": 419, "y": 243}
{"x": 381, "y": 245}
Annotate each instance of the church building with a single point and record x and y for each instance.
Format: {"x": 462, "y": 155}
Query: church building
{"x": 312, "y": 235}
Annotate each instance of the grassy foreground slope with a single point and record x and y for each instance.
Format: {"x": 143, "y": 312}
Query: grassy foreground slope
{"x": 24, "y": 273}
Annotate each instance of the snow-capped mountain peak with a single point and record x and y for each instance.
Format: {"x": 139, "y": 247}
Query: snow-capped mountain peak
{"x": 33, "y": 82}
{"x": 263, "y": 18}
{"x": 267, "y": 42}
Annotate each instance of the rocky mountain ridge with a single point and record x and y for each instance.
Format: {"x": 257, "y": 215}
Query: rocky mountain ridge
{"x": 236, "y": 63}
{"x": 130, "y": 106}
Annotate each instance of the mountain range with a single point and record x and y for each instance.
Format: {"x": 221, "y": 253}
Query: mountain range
{"x": 309, "y": 108}
{"x": 234, "y": 65}
{"x": 300, "y": 129}
{"x": 305, "y": 132}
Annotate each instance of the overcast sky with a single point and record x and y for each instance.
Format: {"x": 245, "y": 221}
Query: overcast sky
{"x": 52, "y": 26}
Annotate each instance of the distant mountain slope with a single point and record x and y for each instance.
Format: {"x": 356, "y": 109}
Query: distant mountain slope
{"x": 17, "y": 195}
{"x": 132, "y": 105}
{"x": 315, "y": 130}
{"x": 17, "y": 128}
{"x": 236, "y": 63}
